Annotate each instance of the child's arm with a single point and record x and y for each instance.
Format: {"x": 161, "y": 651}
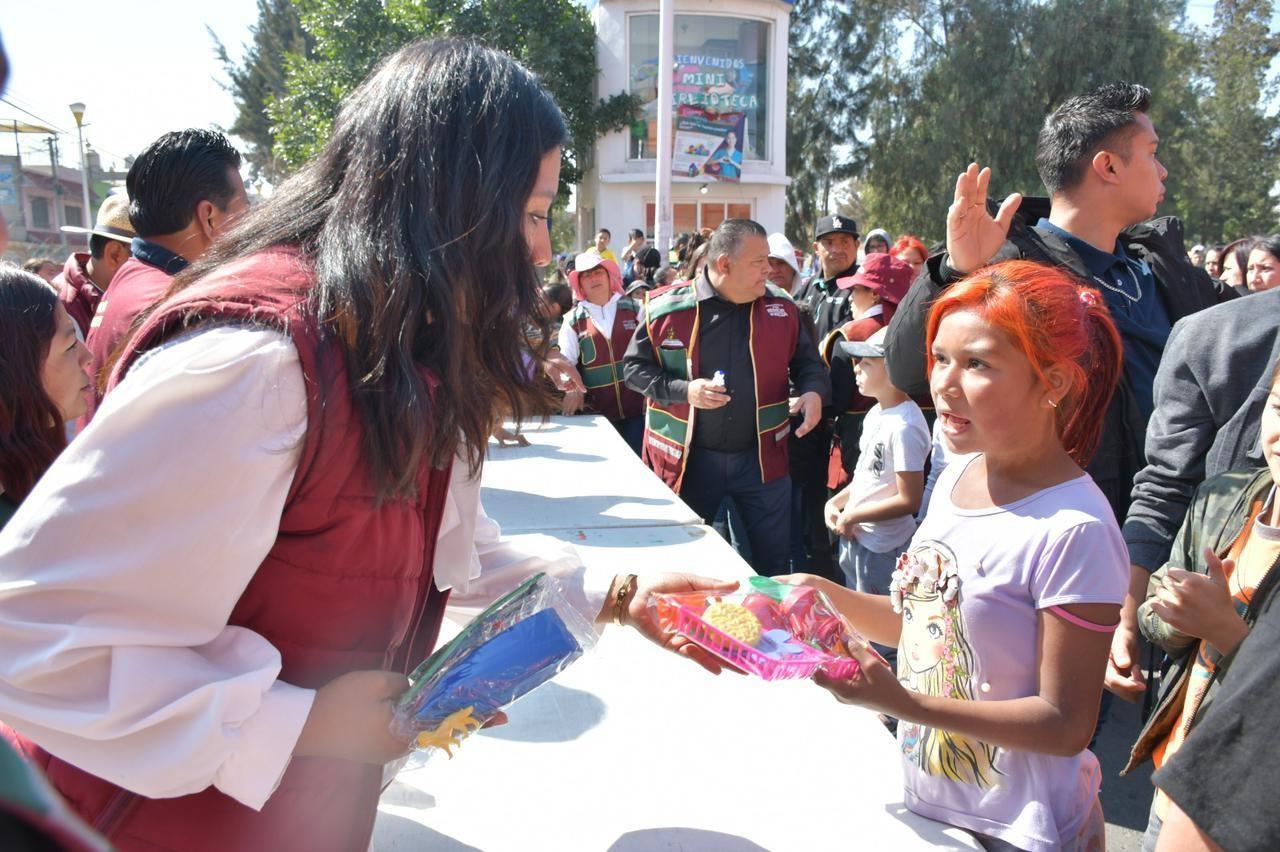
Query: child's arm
{"x": 872, "y": 615}
{"x": 905, "y": 502}
{"x": 1058, "y": 720}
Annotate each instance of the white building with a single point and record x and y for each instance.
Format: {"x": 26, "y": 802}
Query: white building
{"x": 731, "y": 55}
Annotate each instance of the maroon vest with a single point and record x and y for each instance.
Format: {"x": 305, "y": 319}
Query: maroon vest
{"x": 672, "y": 319}
{"x": 601, "y": 360}
{"x": 347, "y": 586}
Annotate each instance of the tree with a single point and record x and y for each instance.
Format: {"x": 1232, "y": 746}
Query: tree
{"x": 1234, "y": 166}
{"x": 260, "y": 78}
{"x": 828, "y": 88}
{"x": 979, "y": 79}
{"x": 554, "y": 38}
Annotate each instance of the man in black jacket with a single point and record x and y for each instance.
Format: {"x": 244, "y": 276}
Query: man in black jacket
{"x": 835, "y": 243}
{"x": 1097, "y": 156}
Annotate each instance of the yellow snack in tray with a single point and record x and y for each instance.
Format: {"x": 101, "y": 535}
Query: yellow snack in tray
{"x": 733, "y": 620}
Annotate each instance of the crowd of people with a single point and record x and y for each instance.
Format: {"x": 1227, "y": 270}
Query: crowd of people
{"x": 240, "y": 454}
{"x": 1075, "y": 506}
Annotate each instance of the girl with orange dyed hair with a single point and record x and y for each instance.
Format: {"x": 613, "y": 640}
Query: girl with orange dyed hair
{"x": 1003, "y": 606}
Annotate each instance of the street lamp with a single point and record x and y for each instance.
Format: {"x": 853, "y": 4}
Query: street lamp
{"x": 77, "y": 109}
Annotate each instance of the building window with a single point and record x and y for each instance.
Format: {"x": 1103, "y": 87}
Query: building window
{"x": 687, "y": 218}
{"x": 722, "y": 66}
{"x": 40, "y": 213}
{"x": 72, "y": 213}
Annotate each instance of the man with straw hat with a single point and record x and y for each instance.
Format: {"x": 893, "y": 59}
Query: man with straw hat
{"x": 85, "y": 276}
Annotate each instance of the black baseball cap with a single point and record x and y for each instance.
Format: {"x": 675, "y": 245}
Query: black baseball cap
{"x": 836, "y": 225}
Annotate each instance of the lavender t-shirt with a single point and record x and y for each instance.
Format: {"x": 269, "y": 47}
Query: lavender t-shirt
{"x": 969, "y": 589}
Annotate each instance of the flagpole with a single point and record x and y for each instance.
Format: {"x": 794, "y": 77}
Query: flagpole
{"x": 662, "y": 237}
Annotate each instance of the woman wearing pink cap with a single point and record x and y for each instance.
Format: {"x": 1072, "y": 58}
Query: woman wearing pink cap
{"x": 594, "y": 336}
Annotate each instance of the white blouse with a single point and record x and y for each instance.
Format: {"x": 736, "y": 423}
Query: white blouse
{"x": 119, "y": 571}
{"x": 601, "y": 315}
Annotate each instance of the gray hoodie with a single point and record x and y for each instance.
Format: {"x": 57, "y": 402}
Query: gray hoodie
{"x": 1210, "y": 390}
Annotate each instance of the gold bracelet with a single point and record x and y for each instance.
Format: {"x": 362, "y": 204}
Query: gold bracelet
{"x": 625, "y": 591}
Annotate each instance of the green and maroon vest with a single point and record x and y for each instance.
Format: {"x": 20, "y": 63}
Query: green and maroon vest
{"x": 671, "y": 316}
{"x": 854, "y": 331}
{"x": 600, "y": 360}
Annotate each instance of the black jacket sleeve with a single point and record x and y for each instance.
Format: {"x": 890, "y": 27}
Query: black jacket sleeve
{"x": 843, "y": 384}
{"x": 808, "y": 373}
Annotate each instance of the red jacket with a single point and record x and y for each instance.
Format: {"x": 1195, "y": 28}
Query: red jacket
{"x": 347, "y": 586}
{"x": 135, "y": 287}
{"x": 77, "y": 292}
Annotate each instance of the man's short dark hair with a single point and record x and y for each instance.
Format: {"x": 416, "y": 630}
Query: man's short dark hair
{"x": 559, "y": 294}
{"x": 728, "y": 238}
{"x": 174, "y": 174}
{"x": 606, "y": 232}
{"x": 1081, "y": 127}
{"x": 97, "y": 244}
{"x": 636, "y": 232}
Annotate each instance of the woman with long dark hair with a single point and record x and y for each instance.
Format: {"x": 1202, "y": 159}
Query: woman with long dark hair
{"x": 280, "y": 489}
{"x": 43, "y": 383}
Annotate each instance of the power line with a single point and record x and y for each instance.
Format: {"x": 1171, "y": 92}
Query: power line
{"x": 56, "y": 128}
{"x": 44, "y": 121}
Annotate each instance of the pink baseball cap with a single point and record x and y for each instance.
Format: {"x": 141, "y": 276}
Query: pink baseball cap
{"x": 883, "y": 273}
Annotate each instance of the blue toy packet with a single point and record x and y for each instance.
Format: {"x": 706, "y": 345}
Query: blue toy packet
{"x": 521, "y": 641}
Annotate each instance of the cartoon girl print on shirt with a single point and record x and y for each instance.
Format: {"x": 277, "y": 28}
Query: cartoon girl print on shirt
{"x": 935, "y": 658}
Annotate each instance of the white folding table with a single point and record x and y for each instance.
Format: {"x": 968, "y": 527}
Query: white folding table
{"x": 633, "y": 748}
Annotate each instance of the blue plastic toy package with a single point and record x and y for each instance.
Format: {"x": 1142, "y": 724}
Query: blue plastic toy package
{"x": 521, "y": 641}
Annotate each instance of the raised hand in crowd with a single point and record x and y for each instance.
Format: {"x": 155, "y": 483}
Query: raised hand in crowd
{"x": 703, "y": 394}
{"x": 636, "y": 243}
{"x": 973, "y": 236}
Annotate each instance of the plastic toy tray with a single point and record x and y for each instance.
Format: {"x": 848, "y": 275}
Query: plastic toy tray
{"x": 801, "y": 664}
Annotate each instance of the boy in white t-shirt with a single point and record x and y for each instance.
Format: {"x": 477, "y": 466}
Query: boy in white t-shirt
{"x": 875, "y": 513}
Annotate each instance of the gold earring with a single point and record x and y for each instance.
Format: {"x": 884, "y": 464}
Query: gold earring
{"x": 1054, "y": 404}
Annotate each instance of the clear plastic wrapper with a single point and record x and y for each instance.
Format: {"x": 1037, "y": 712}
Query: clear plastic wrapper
{"x": 770, "y": 629}
{"x": 520, "y": 642}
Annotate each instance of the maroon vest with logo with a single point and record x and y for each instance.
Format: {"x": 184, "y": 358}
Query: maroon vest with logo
{"x": 671, "y": 315}
{"x": 347, "y": 586}
{"x": 600, "y": 358}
